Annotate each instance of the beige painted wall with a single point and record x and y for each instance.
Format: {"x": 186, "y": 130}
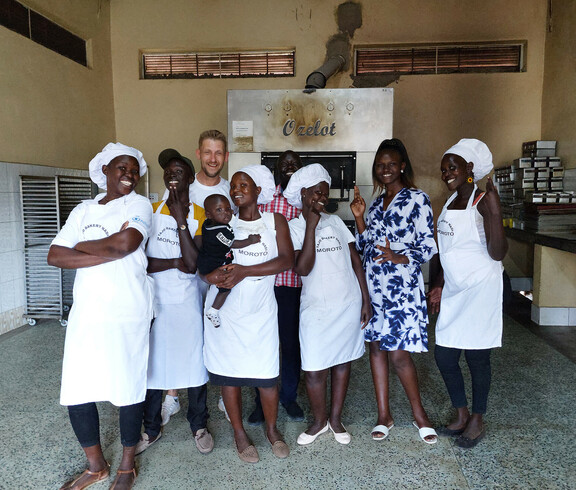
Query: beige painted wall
{"x": 55, "y": 111}
{"x": 519, "y": 262}
{"x": 431, "y": 112}
{"x": 558, "y": 101}
{"x": 554, "y": 273}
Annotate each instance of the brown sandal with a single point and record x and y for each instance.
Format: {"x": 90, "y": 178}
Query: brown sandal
{"x": 95, "y": 477}
{"x": 119, "y": 473}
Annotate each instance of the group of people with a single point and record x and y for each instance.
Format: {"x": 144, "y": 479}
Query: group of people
{"x": 220, "y": 281}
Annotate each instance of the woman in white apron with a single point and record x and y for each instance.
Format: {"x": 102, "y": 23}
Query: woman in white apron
{"x": 334, "y": 305}
{"x": 243, "y": 351}
{"x": 468, "y": 287}
{"x": 177, "y": 334}
{"x": 106, "y": 348}
{"x": 395, "y": 240}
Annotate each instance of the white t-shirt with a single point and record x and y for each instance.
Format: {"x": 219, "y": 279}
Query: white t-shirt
{"x": 199, "y": 192}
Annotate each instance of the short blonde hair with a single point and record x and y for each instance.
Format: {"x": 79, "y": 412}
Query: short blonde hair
{"x": 213, "y": 134}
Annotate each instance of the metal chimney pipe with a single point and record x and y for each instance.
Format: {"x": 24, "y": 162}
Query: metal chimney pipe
{"x": 318, "y": 78}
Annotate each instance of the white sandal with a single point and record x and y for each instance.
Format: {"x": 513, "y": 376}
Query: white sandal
{"x": 382, "y": 429}
{"x": 426, "y": 432}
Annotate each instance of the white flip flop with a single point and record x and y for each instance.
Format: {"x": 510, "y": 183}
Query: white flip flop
{"x": 383, "y": 429}
{"x": 426, "y": 432}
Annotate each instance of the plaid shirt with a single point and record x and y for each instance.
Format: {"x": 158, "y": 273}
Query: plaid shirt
{"x": 280, "y": 205}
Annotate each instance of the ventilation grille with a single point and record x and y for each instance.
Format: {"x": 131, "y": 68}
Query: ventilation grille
{"x": 422, "y": 60}
{"x": 218, "y": 65}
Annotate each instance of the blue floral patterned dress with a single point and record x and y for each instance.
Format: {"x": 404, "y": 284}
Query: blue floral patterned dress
{"x": 397, "y": 290}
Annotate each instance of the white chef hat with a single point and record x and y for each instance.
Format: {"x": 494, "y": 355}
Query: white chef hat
{"x": 306, "y": 177}
{"x": 475, "y": 151}
{"x": 264, "y": 179}
{"x": 109, "y": 153}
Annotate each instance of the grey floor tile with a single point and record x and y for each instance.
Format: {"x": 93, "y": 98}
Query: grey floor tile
{"x": 528, "y": 444}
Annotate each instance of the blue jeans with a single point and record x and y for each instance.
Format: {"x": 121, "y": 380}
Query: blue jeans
{"x": 447, "y": 360}
{"x": 86, "y": 423}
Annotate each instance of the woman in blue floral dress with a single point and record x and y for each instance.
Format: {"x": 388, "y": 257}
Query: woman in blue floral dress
{"x": 396, "y": 238}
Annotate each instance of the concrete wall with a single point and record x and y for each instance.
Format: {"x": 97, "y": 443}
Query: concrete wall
{"x": 431, "y": 111}
{"x": 55, "y": 111}
{"x": 558, "y": 101}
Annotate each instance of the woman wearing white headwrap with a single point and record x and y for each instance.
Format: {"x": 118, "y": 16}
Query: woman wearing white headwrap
{"x": 106, "y": 349}
{"x": 467, "y": 289}
{"x": 335, "y": 304}
{"x": 243, "y": 351}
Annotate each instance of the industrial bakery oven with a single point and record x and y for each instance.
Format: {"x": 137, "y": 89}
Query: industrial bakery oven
{"x": 338, "y": 128}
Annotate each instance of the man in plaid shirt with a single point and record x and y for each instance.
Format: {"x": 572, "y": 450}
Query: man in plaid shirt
{"x": 287, "y": 289}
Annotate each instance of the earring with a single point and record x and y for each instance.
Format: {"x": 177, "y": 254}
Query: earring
{"x": 469, "y": 180}
{"x": 402, "y": 171}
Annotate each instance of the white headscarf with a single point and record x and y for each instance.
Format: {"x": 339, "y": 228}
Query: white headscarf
{"x": 264, "y": 179}
{"x": 109, "y": 153}
{"x": 475, "y": 151}
{"x": 306, "y": 177}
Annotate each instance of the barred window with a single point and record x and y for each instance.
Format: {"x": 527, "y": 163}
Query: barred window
{"x": 245, "y": 64}
{"x": 30, "y": 24}
{"x": 425, "y": 59}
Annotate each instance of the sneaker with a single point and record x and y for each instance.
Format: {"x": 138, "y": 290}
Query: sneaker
{"x": 214, "y": 317}
{"x": 257, "y": 416}
{"x": 222, "y": 408}
{"x": 170, "y": 406}
{"x": 294, "y": 411}
{"x": 204, "y": 441}
{"x": 145, "y": 442}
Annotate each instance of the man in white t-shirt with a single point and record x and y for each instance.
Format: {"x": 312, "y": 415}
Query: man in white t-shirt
{"x": 212, "y": 152}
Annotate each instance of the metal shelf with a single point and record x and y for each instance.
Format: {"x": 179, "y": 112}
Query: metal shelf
{"x": 46, "y": 205}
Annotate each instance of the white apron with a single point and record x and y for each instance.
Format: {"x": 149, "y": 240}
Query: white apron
{"x": 106, "y": 348}
{"x": 471, "y": 305}
{"x": 176, "y": 336}
{"x": 246, "y": 343}
{"x": 331, "y": 301}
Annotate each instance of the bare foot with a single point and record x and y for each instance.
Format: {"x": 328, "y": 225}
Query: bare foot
{"x": 474, "y": 427}
{"x": 88, "y": 477}
{"x": 337, "y": 426}
{"x": 274, "y": 435}
{"x": 124, "y": 479}
{"x": 424, "y": 421}
{"x": 386, "y": 421}
{"x": 461, "y": 420}
{"x": 316, "y": 427}
{"x": 242, "y": 440}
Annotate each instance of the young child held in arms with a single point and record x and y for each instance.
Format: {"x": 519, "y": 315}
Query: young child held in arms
{"x": 217, "y": 242}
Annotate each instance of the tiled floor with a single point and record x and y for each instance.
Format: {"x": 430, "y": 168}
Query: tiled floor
{"x": 529, "y": 444}
{"x": 563, "y": 339}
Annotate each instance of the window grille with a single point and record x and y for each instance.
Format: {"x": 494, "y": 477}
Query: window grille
{"x": 441, "y": 58}
{"x": 246, "y": 64}
{"x": 30, "y": 24}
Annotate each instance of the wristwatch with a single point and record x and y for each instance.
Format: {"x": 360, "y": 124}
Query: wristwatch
{"x": 183, "y": 227}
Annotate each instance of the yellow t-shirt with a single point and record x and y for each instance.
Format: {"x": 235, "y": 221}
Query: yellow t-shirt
{"x": 197, "y": 213}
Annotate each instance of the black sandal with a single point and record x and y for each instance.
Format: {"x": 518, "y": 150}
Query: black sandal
{"x": 467, "y": 443}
